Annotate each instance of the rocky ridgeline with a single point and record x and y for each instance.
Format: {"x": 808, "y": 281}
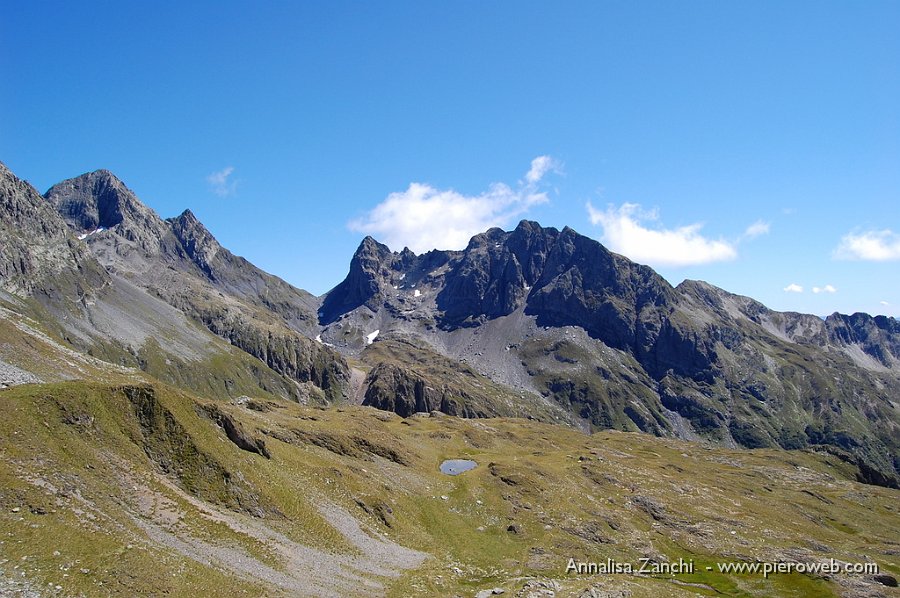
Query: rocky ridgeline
{"x": 181, "y": 262}
{"x": 693, "y": 360}
{"x": 80, "y": 250}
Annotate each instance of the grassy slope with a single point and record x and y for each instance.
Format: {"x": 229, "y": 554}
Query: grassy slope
{"x": 223, "y": 371}
{"x": 77, "y": 461}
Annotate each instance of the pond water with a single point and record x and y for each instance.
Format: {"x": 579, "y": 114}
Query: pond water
{"x": 457, "y": 466}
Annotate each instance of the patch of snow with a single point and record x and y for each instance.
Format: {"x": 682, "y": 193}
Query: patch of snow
{"x": 84, "y": 236}
{"x": 417, "y": 293}
{"x": 395, "y": 287}
{"x": 527, "y": 288}
{"x": 370, "y": 338}
{"x": 319, "y": 338}
{"x": 402, "y": 276}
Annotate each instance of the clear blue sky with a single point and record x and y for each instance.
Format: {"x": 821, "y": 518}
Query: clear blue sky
{"x": 755, "y": 145}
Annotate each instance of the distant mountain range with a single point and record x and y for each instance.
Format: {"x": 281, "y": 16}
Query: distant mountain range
{"x": 535, "y": 322}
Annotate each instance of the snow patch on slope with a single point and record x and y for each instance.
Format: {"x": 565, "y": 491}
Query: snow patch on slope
{"x": 84, "y": 236}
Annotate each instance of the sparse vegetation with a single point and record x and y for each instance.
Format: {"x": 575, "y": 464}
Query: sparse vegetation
{"x": 91, "y": 469}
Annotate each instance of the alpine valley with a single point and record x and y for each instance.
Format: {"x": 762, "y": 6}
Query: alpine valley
{"x": 175, "y": 421}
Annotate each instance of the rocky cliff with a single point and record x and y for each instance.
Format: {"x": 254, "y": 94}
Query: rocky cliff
{"x": 37, "y": 251}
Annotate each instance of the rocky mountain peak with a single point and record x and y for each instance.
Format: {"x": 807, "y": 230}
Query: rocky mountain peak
{"x": 98, "y": 201}
{"x": 127, "y": 236}
{"x": 369, "y": 249}
{"x": 370, "y": 271}
{"x": 485, "y": 239}
{"x": 95, "y": 200}
{"x": 531, "y": 243}
{"x": 36, "y": 251}
{"x": 198, "y": 243}
{"x": 188, "y": 218}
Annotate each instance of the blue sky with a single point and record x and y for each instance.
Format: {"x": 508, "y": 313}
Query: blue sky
{"x": 755, "y": 145}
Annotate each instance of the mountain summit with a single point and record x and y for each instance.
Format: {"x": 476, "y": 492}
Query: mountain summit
{"x": 100, "y": 200}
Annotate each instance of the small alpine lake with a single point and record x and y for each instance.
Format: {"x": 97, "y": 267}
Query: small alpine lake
{"x": 457, "y": 466}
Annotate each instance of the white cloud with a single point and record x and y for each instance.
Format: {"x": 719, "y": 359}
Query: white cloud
{"x": 826, "y": 289}
{"x": 756, "y": 229}
{"x": 539, "y": 167}
{"x": 624, "y": 233}
{"x": 884, "y": 302}
{"x": 219, "y": 183}
{"x": 878, "y": 246}
{"x": 424, "y": 218}
{"x": 793, "y": 288}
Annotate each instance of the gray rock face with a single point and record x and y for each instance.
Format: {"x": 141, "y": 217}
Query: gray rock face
{"x": 370, "y": 273}
{"x": 136, "y": 240}
{"x": 613, "y": 299}
{"x": 486, "y": 281}
{"x": 100, "y": 200}
{"x": 392, "y": 388}
{"x": 285, "y": 351}
{"x": 198, "y": 244}
{"x": 878, "y": 337}
{"x": 37, "y": 253}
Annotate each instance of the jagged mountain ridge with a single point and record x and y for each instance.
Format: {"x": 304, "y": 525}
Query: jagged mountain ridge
{"x": 111, "y": 278}
{"x": 555, "y": 314}
{"x": 181, "y": 262}
{"x": 131, "y": 237}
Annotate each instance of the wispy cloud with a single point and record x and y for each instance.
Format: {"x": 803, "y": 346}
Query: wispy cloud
{"x": 539, "y": 167}
{"x": 793, "y": 288}
{"x": 874, "y": 245}
{"x": 884, "y": 303}
{"x": 756, "y": 229}
{"x": 220, "y": 183}
{"x": 826, "y": 289}
{"x": 424, "y": 218}
{"x": 624, "y": 231}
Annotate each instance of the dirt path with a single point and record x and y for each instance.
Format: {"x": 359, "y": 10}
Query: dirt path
{"x": 305, "y": 571}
